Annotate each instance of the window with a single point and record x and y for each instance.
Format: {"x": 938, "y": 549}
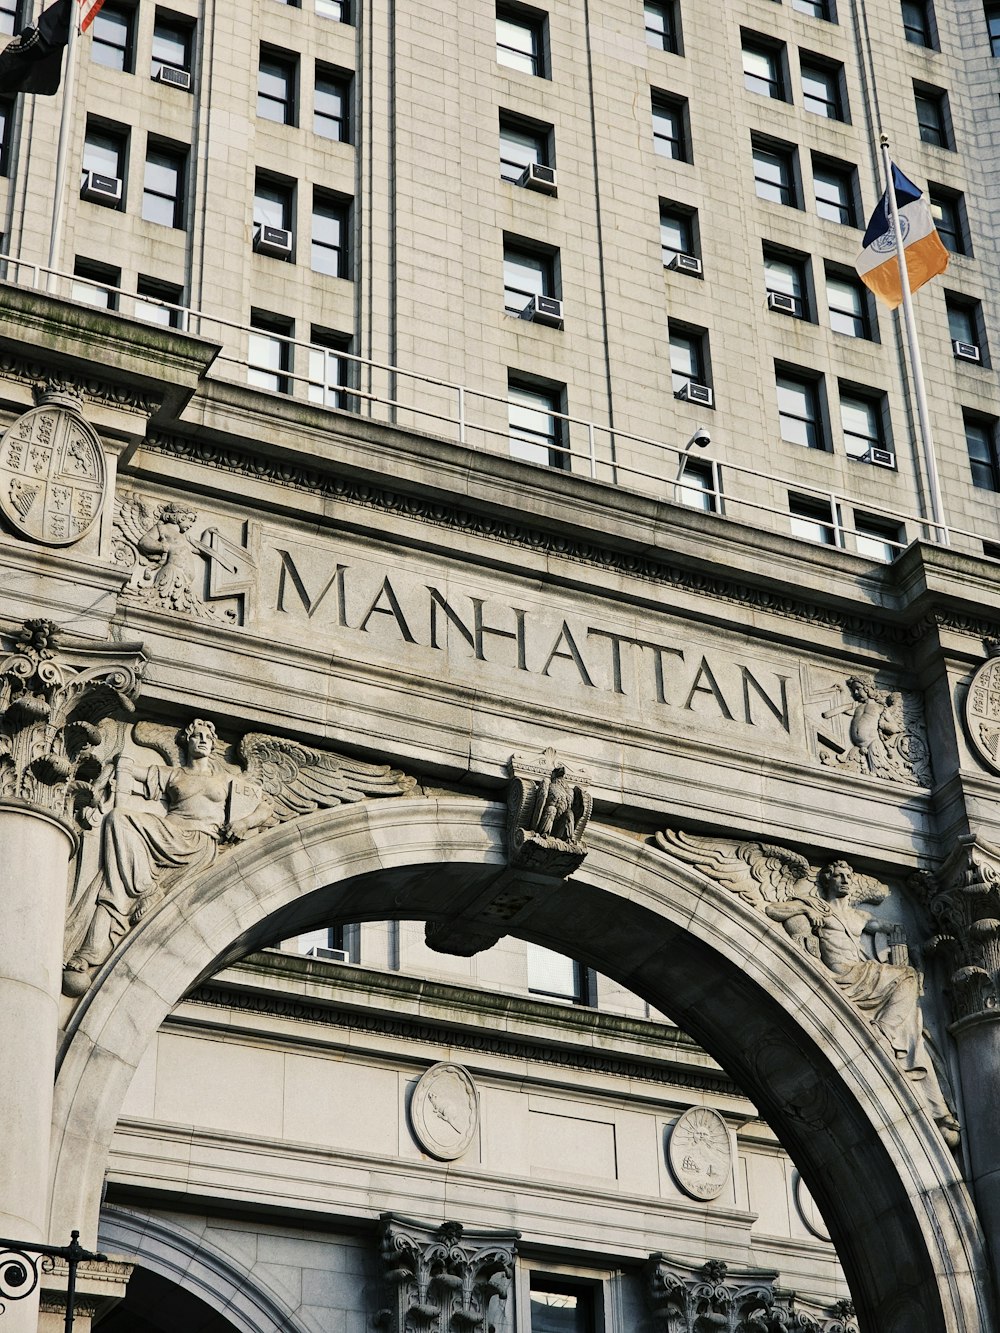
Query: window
{"x": 878, "y": 538}
{"x": 152, "y": 303}
{"x": 94, "y": 284}
{"x": 338, "y": 10}
{"x": 522, "y": 142}
{"x": 991, "y": 550}
{"x": 862, "y": 420}
{"x": 678, "y": 231}
{"x": 800, "y": 411}
{"x": 536, "y": 432}
{"x": 559, "y": 1306}
{"x": 10, "y": 17}
{"x": 823, "y": 90}
{"x": 334, "y": 944}
{"x": 786, "y": 274}
{"x": 276, "y": 86}
{"x": 550, "y": 973}
{"x": 670, "y": 136}
{"x": 774, "y": 172}
{"x": 948, "y": 211}
{"x": 817, "y": 9}
{"x": 965, "y": 322}
{"x": 330, "y": 223}
{"x": 113, "y": 38}
{"x": 330, "y": 372}
{"x": 836, "y": 189}
{"x": 6, "y": 134}
{"x": 269, "y": 355}
{"x": 105, "y": 152}
{"x": 521, "y": 41}
{"x": 814, "y": 520}
{"x": 918, "y": 22}
{"x": 688, "y": 356}
{"x": 163, "y": 185}
{"x": 992, "y": 27}
{"x": 172, "y": 43}
{"x": 932, "y": 115}
{"x": 332, "y": 104}
{"x": 849, "y": 303}
{"x": 273, "y": 203}
{"x": 526, "y": 273}
{"x": 663, "y": 27}
{"x": 981, "y": 442}
{"x": 698, "y": 485}
{"x": 764, "y": 67}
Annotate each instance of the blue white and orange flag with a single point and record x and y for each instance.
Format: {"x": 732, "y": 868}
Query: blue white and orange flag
{"x": 925, "y": 253}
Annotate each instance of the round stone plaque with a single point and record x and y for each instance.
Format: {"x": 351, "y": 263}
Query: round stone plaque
{"x": 444, "y": 1111}
{"x": 808, "y": 1211}
{"x": 700, "y": 1154}
{"x": 52, "y": 476}
{"x": 982, "y": 713}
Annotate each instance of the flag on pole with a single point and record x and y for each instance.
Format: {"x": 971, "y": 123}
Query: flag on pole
{"x": 32, "y": 62}
{"x": 925, "y": 253}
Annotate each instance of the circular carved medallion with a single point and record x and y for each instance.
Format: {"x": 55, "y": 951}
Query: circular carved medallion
{"x": 444, "y": 1111}
{"x": 52, "y": 476}
{"x": 700, "y": 1154}
{"x": 982, "y": 713}
{"x": 808, "y": 1211}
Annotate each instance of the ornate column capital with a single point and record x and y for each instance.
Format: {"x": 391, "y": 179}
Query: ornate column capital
{"x": 63, "y": 701}
{"x": 964, "y": 902}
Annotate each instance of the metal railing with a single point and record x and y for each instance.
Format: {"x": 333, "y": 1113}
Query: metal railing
{"x": 477, "y": 418}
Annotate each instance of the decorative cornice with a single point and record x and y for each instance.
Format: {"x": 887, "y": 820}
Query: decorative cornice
{"x": 483, "y": 1042}
{"x": 41, "y": 377}
{"x": 324, "y": 482}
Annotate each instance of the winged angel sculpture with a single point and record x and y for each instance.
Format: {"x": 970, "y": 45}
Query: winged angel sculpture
{"x": 205, "y": 801}
{"x": 821, "y": 912}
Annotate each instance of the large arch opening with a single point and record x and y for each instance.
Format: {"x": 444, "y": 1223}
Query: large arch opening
{"x": 899, "y": 1212}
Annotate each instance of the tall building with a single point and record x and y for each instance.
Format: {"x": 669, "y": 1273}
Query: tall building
{"x": 498, "y": 755}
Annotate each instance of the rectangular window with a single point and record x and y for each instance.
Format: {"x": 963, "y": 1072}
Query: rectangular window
{"x": 948, "y": 212}
{"x": 775, "y": 172}
{"x": 105, "y": 154}
{"x": 337, "y": 10}
{"x": 981, "y": 442}
{"x": 333, "y": 944}
{"x": 817, "y": 9}
{"x": 330, "y": 235}
{"x": 688, "y": 357}
{"x": 154, "y": 301}
{"x": 550, "y": 973}
{"x": 522, "y": 143}
{"x": 6, "y": 134}
{"x": 862, "y": 420}
{"x": 836, "y": 188}
{"x": 561, "y": 1306}
{"x": 698, "y": 486}
{"x": 823, "y": 90}
{"x": 521, "y": 41}
{"x": 95, "y": 283}
{"x": 10, "y": 17}
{"x": 526, "y": 273}
{"x": 113, "y": 34}
{"x": 992, "y": 13}
{"x": 800, "y": 410}
{"x": 663, "y": 27}
{"x": 269, "y": 354}
{"x": 786, "y": 275}
{"x": 814, "y": 520}
{"x": 276, "y": 85}
{"x": 670, "y": 135}
{"x": 332, "y": 104}
{"x": 173, "y": 41}
{"x": 678, "y": 231}
{"x": 273, "y": 203}
{"x": 849, "y": 303}
{"x": 163, "y": 187}
{"x": 878, "y": 538}
{"x": 536, "y": 432}
{"x": 933, "y": 117}
{"x": 330, "y": 370}
{"x": 965, "y": 323}
{"x": 918, "y": 23}
{"x": 764, "y": 67}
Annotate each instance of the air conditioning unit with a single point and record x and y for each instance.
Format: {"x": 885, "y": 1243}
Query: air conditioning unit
{"x": 330, "y": 955}
{"x": 274, "y": 241}
{"x": 176, "y": 78}
{"x": 544, "y": 310}
{"x": 537, "y": 176}
{"x": 685, "y": 264}
{"x": 695, "y": 393}
{"x": 100, "y": 189}
{"x": 881, "y": 457}
{"x": 782, "y": 303}
{"x": 967, "y": 351}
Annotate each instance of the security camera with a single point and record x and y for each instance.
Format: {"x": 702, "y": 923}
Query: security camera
{"x": 701, "y": 438}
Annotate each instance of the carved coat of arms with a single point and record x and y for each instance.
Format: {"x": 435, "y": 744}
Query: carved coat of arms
{"x": 52, "y": 475}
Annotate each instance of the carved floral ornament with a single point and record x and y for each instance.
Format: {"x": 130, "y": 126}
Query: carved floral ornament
{"x": 964, "y": 903}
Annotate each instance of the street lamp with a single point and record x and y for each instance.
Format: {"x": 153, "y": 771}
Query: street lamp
{"x": 21, "y": 1266}
{"x": 702, "y": 439}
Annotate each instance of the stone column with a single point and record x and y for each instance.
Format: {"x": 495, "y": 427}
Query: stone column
{"x": 61, "y": 704}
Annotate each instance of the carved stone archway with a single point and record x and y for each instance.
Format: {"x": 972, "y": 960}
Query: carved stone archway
{"x": 899, "y": 1212}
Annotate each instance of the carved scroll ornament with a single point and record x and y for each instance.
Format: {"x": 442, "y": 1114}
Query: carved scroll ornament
{"x": 821, "y": 911}
{"x": 199, "y": 804}
{"x": 548, "y": 809}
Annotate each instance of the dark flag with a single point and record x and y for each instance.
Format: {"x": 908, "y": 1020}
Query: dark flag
{"x": 32, "y": 62}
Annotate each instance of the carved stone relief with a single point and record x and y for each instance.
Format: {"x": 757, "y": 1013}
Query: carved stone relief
{"x": 167, "y": 564}
{"x": 63, "y": 701}
{"x": 444, "y": 1277}
{"x": 982, "y": 709}
{"x": 547, "y": 813}
{"x": 875, "y": 732}
{"x": 964, "y": 904}
{"x": 821, "y": 911}
{"x": 700, "y": 1153}
{"x": 444, "y": 1111}
{"x": 203, "y": 801}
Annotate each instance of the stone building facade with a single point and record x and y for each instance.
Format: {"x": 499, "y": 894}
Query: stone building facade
{"x": 639, "y": 811}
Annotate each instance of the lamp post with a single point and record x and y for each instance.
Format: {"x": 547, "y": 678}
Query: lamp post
{"x": 702, "y": 439}
{"x": 22, "y": 1264}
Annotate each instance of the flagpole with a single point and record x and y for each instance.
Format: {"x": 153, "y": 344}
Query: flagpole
{"x": 62, "y": 153}
{"x": 919, "y": 387}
